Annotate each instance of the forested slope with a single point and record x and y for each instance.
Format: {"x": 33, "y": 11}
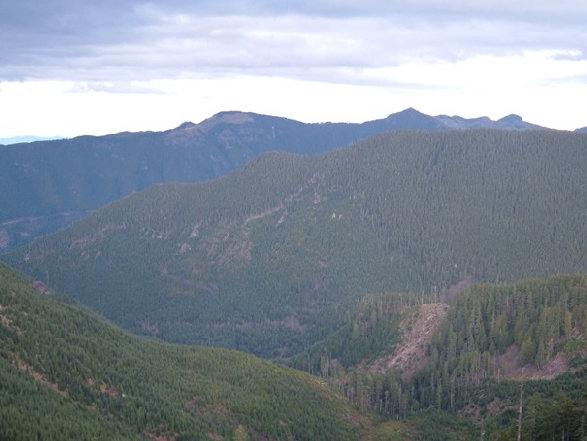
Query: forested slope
{"x": 493, "y": 340}
{"x": 499, "y": 206}
{"x": 254, "y": 261}
{"x": 271, "y": 257}
{"x": 65, "y": 374}
{"x": 47, "y": 185}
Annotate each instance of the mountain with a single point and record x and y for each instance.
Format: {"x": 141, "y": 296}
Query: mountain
{"x": 509, "y": 122}
{"x": 270, "y": 258}
{"x": 48, "y": 185}
{"x": 66, "y": 374}
{"x": 581, "y": 130}
{"x": 532, "y": 329}
{"x": 469, "y": 358}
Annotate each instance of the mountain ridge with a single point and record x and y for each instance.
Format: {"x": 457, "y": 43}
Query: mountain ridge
{"x": 49, "y": 184}
{"x": 260, "y": 259}
{"x": 453, "y": 121}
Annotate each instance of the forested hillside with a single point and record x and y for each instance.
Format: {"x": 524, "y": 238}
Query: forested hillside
{"x": 270, "y": 258}
{"x": 499, "y": 206}
{"x": 65, "y": 374}
{"x": 47, "y": 185}
{"x": 493, "y": 340}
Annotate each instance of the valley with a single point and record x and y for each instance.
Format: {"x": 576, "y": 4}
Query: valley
{"x": 218, "y": 224}
{"x": 77, "y": 376}
{"x": 405, "y": 286}
{"x": 68, "y": 374}
{"x": 291, "y": 239}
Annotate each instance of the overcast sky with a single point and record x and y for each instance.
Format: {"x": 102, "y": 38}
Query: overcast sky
{"x": 72, "y": 67}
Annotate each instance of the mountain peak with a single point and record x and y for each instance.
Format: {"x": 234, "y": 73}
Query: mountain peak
{"x": 410, "y": 111}
{"x": 185, "y": 125}
{"x": 515, "y": 122}
{"x": 511, "y": 118}
{"x": 411, "y": 119}
{"x": 227, "y": 117}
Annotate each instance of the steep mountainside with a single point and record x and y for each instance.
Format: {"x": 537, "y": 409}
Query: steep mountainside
{"x": 67, "y": 375}
{"x": 470, "y": 358}
{"x": 529, "y": 330}
{"x": 48, "y": 185}
{"x": 269, "y": 258}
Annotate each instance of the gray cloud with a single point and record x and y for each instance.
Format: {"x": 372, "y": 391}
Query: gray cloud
{"x": 131, "y": 40}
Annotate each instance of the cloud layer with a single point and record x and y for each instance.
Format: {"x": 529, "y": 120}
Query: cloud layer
{"x": 101, "y": 66}
{"x": 126, "y": 40}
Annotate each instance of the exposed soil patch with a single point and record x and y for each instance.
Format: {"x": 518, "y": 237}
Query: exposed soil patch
{"x": 42, "y": 288}
{"x": 225, "y": 248}
{"x": 160, "y": 436}
{"x": 496, "y": 407}
{"x": 6, "y": 321}
{"x": 472, "y": 411}
{"x": 263, "y": 214}
{"x": 151, "y": 328}
{"x": 111, "y": 390}
{"x": 417, "y": 330}
{"x": 509, "y": 366}
{"x": 38, "y": 376}
{"x": 193, "y": 403}
{"x": 292, "y": 323}
{"x": 459, "y": 286}
{"x": 237, "y": 253}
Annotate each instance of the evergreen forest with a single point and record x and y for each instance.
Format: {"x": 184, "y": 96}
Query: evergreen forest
{"x": 47, "y": 185}
{"x": 422, "y": 285}
{"x": 66, "y": 374}
{"x": 271, "y": 257}
{"x": 493, "y": 343}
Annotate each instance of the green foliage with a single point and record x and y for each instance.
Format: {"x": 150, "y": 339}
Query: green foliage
{"x": 479, "y": 346}
{"x": 501, "y": 206}
{"x": 552, "y": 409}
{"x": 393, "y": 431}
{"x": 491, "y": 329}
{"x": 67, "y": 374}
{"x": 48, "y": 185}
{"x": 442, "y": 426}
{"x": 30, "y": 410}
{"x": 270, "y": 258}
{"x": 371, "y": 330}
{"x": 271, "y": 281}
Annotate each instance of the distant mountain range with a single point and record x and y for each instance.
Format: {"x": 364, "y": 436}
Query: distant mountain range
{"x": 47, "y": 185}
{"x": 23, "y": 139}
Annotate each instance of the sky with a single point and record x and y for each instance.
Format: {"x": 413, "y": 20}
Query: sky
{"x": 73, "y": 67}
